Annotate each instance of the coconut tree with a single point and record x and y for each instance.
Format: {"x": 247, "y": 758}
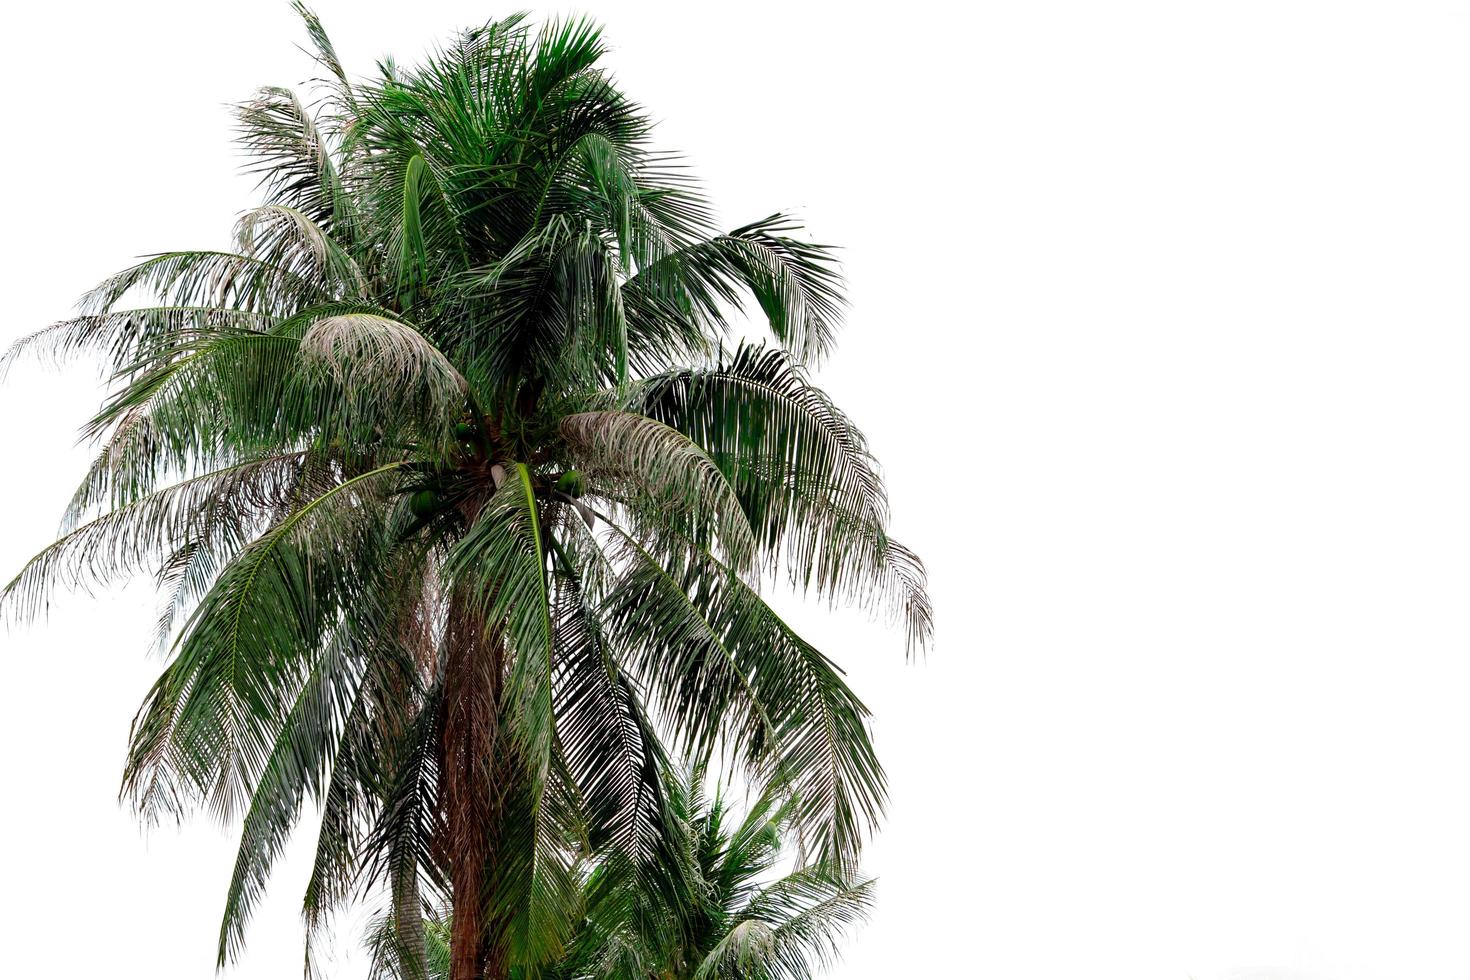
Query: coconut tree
{"x": 458, "y": 485}
{"x": 712, "y": 904}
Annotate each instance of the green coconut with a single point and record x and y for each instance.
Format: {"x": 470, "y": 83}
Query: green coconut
{"x": 464, "y": 432}
{"x": 423, "y": 503}
{"x": 571, "y": 483}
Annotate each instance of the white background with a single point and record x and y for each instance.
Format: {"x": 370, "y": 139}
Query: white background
{"x": 1161, "y": 326}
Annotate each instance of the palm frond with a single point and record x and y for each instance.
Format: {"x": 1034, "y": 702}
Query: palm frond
{"x": 665, "y": 477}
{"x": 294, "y": 162}
{"x": 209, "y": 279}
{"x": 127, "y": 540}
{"x": 803, "y": 474}
{"x": 290, "y": 239}
{"x": 384, "y": 369}
{"x": 207, "y": 728}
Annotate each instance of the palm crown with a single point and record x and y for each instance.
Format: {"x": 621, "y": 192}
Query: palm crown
{"x": 459, "y": 492}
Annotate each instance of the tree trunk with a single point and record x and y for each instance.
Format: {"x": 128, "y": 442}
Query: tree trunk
{"x": 473, "y": 795}
{"x": 408, "y": 927}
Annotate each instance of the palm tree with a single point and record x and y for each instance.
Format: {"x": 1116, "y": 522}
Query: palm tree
{"x": 458, "y": 487}
{"x": 710, "y": 906}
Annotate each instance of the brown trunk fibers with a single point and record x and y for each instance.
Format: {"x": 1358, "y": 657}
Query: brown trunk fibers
{"x": 474, "y": 790}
